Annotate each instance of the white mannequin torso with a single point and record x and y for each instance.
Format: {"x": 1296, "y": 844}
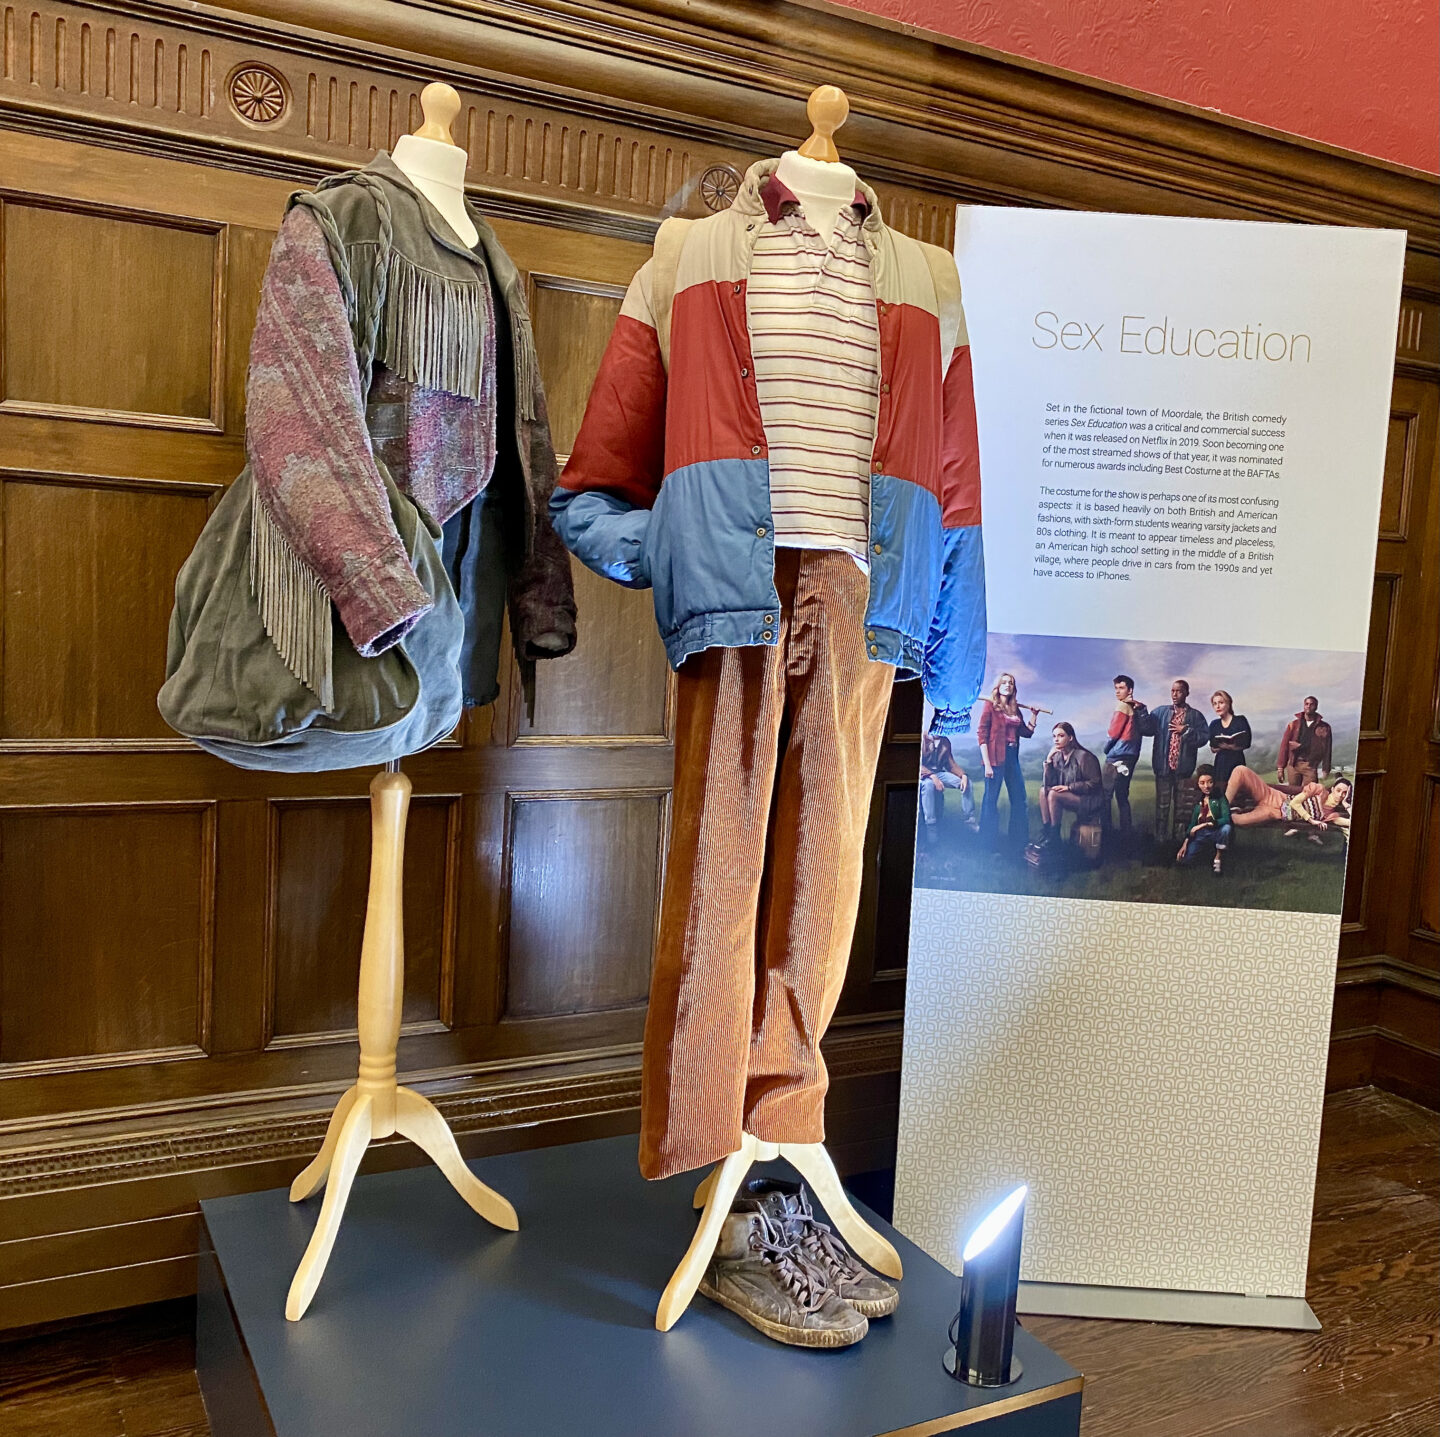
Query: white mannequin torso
{"x": 437, "y": 170}
{"x": 823, "y": 189}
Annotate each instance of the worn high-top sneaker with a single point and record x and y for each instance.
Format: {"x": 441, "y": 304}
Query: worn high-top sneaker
{"x": 760, "y": 1274}
{"x": 789, "y": 1204}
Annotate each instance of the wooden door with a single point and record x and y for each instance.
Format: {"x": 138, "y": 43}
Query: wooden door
{"x": 1389, "y": 984}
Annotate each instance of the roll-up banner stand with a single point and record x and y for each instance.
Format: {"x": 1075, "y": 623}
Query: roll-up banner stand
{"x": 1126, "y": 914}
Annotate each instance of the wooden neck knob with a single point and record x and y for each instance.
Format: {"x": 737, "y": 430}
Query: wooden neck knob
{"x": 439, "y": 103}
{"x": 826, "y": 110}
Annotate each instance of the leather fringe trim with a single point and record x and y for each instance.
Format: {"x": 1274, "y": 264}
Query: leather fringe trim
{"x": 522, "y": 342}
{"x": 433, "y": 329}
{"x": 294, "y": 605}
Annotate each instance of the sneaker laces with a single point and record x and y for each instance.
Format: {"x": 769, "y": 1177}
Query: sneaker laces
{"x": 795, "y": 1270}
{"x": 819, "y": 1242}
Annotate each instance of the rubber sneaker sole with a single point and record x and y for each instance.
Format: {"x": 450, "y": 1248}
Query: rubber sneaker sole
{"x": 792, "y": 1336}
{"x": 879, "y": 1307}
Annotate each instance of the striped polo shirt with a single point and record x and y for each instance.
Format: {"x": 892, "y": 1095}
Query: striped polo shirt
{"x": 816, "y": 347}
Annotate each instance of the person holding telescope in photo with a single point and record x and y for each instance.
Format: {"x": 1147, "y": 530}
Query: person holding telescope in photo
{"x": 999, "y": 730}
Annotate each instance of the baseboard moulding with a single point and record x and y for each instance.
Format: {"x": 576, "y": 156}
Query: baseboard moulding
{"x": 1145, "y": 1304}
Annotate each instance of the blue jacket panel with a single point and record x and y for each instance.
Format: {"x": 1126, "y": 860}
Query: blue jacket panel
{"x": 707, "y": 550}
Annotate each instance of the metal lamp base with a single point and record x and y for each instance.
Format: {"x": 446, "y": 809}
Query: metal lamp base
{"x": 1015, "y": 1372}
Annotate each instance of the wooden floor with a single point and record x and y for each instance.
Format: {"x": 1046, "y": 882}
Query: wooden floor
{"x": 1372, "y": 1371}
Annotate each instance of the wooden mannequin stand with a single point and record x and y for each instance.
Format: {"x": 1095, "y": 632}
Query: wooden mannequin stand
{"x": 376, "y": 1107}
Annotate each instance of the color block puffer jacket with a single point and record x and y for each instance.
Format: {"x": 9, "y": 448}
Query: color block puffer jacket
{"x": 668, "y": 482}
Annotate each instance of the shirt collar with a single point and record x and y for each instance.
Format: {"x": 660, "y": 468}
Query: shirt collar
{"x": 751, "y": 199}
{"x": 777, "y": 196}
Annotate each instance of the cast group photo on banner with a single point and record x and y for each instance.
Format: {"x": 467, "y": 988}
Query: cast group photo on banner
{"x": 1168, "y": 773}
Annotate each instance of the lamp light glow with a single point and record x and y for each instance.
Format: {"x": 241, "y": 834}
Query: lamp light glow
{"x": 993, "y": 1224}
{"x": 983, "y": 1332}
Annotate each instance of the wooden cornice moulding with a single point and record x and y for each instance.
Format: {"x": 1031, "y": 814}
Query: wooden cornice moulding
{"x": 598, "y": 108}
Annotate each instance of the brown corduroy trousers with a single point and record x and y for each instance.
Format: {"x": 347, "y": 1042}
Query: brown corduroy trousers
{"x": 775, "y": 753}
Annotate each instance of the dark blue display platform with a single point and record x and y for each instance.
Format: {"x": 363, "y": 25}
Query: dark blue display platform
{"x": 431, "y": 1323}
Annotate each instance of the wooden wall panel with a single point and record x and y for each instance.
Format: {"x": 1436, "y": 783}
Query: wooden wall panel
{"x": 1379, "y": 656}
{"x": 1427, "y": 890}
{"x": 616, "y": 682}
{"x": 96, "y": 561}
{"x": 573, "y": 319}
{"x": 106, "y": 929}
{"x": 894, "y": 872}
{"x": 584, "y": 891}
{"x": 1357, "y": 909}
{"x": 111, "y": 314}
{"x": 907, "y": 713}
{"x": 1400, "y": 462}
{"x": 1387, "y": 954}
{"x": 321, "y": 869}
{"x": 1423, "y": 950}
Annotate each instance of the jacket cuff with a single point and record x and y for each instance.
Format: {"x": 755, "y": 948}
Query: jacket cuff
{"x": 542, "y": 598}
{"x": 380, "y": 604}
{"x": 950, "y": 722}
{"x": 558, "y": 628}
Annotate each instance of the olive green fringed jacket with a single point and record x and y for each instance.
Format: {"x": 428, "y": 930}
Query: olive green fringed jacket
{"x": 381, "y": 340}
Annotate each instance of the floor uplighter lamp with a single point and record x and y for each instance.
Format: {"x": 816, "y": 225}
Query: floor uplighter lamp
{"x": 983, "y": 1331}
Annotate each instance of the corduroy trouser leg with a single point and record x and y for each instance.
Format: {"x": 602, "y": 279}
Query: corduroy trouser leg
{"x": 775, "y": 753}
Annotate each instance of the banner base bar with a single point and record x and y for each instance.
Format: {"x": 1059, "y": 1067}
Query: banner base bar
{"x": 1146, "y": 1304}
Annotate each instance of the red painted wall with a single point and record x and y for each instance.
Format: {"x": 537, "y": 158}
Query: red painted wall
{"x": 1361, "y": 74}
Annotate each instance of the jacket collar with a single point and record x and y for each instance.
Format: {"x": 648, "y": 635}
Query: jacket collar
{"x": 487, "y": 249}
{"x": 762, "y": 194}
{"x": 489, "y": 258}
{"x": 385, "y": 168}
